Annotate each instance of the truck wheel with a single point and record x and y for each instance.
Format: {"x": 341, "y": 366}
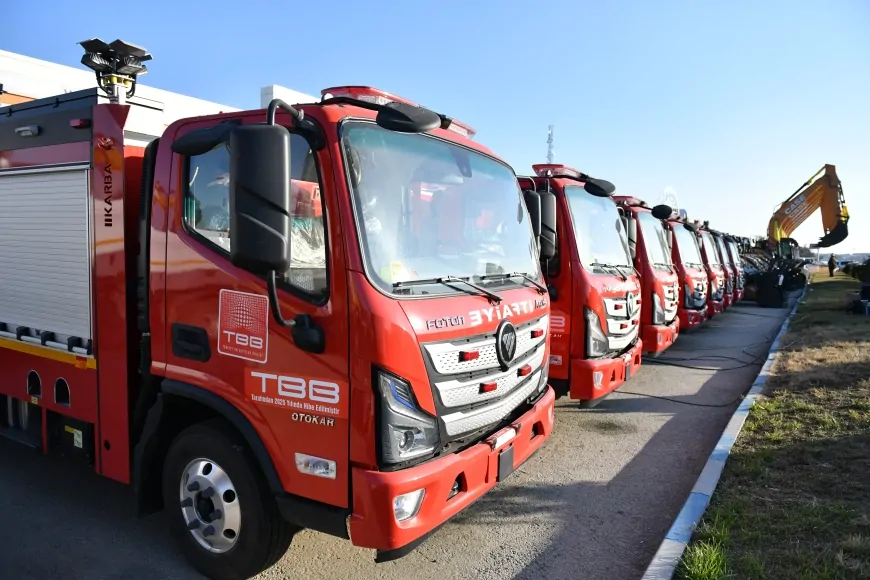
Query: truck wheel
{"x": 221, "y": 512}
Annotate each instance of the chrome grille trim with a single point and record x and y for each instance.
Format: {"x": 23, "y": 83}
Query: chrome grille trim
{"x": 619, "y": 338}
{"x": 445, "y": 355}
{"x": 455, "y": 393}
{"x": 473, "y": 419}
{"x": 462, "y": 408}
{"x": 671, "y": 302}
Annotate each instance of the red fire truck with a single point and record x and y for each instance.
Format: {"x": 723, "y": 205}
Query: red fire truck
{"x": 247, "y": 322}
{"x": 729, "y": 295}
{"x": 730, "y": 243}
{"x": 715, "y": 270}
{"x": 595, "y": 292}
{"x": 650, "y": 247}
{"x": 686, "y": 255}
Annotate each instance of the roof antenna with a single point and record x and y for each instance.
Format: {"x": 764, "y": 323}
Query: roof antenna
{"x": 117, "y": 66}
{"x": 550, "y": 144}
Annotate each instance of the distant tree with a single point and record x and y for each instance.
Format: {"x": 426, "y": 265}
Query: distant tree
{"x": 806, "y": 252}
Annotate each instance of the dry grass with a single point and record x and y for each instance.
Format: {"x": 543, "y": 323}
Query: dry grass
{"x": 794, "y": 500}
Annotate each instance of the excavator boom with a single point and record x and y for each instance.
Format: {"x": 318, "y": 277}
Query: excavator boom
{"x": 822, "y": 191}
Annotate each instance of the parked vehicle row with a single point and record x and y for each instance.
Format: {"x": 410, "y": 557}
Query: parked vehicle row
{"x": 347, "y": 316}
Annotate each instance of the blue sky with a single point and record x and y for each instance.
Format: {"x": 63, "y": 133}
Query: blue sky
{"x": 733, "y": 104}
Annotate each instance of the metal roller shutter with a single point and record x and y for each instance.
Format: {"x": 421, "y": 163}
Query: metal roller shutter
{"x": 45, "y": 270}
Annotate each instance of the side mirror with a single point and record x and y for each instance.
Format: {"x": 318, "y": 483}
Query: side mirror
{"x": 548, "y": 225}
{"x": 533, "y": 205}
{"x": 599, "y": 187}
{"x": 662, "y": 212}
{"x": 260, "y": 198}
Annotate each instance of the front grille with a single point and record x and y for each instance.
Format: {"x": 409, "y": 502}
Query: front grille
{"x": 700, "y": 296}
{"x": 456, "y": 384}
{"x": 623, "y": 320}
{"x": 671, "y": 303}
{"x": 720, "y": 288}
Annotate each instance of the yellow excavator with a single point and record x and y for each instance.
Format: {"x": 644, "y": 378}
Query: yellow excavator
{"x": 821, "y": 191}
{"x": 774, "y": 266}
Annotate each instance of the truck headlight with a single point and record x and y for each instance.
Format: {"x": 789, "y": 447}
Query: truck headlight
{"x": 658, "y": 309}
{"x": 406, "y": 431}
{"x": 596, "y": 340}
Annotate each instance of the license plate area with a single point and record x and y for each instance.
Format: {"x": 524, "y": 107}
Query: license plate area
{"x": 505, "y": 463}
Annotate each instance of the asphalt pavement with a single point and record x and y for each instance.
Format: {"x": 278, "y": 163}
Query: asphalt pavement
{"x": 594, "y": 502}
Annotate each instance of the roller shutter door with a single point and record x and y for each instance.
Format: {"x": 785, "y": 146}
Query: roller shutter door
{"x": 45, "y": 270}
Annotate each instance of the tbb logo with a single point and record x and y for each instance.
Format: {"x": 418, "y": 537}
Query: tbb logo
{"x": 315, "y": 396}
{"x": 243, "y": 325}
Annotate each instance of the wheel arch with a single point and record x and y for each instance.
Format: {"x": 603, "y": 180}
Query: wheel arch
{"x": 177, "y": 406}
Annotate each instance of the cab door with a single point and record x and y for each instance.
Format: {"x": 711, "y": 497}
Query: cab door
{"x": 220, "y": 334}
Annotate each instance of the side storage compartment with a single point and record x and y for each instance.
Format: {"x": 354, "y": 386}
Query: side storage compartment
{"x": 45, "y": 262}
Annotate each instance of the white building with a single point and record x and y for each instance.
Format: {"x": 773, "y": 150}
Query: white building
{"x": 24, "y": 79}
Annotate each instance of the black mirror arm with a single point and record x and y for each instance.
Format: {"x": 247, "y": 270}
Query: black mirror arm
{"x": 272, "y": 285}
{"x": 306, "y": 333}
{"x": 308, "y": 128}
{"x": 275, "y": 104}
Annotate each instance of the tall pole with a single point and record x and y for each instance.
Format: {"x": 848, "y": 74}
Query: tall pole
{"x": 550, "y": 144}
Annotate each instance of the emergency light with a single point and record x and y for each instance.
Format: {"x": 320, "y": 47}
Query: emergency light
{"x": 557, "y": 170}
{"x": 379, "y": 97}
{"x": 633, "y": 202}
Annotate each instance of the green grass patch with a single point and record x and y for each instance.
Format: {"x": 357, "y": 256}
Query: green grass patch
{"x": 794, "y": 498}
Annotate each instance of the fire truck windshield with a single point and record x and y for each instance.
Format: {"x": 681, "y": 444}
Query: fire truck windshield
{"x": 428, "y": 209}
{"x": 735, "y": 252}
{"x": 710, "y": 249}
{"x": 598, "y": 230}
{"x": 655, "y": 239}
{"x": 723, "y": 250}
{"x": 690, "y": 254}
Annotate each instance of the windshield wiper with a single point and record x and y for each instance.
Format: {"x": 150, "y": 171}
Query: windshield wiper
{"x": 447, "y": 280}
{"x": 618, "y": 269}
{"x": 541, "y": 289}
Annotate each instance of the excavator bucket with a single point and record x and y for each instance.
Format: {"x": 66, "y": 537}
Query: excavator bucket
{"x": 835, "y": 236}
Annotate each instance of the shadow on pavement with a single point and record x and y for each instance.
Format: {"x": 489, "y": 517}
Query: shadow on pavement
{"x": 600, "y": 513}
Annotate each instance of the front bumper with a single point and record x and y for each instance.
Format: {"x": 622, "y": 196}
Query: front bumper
{"x": 594, "y": 378}
{"x": 739, "y": 295}
{"x": 727, "y": 300}
{"x": 714, "y": 307}
{"x": 657, "y": 338}
{"x": 691, "y": 319}
{"x": 373, "y": 523}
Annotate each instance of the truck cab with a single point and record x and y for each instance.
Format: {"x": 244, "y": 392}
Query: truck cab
{"x": 594, "y": 289}
{"x": 649, "y": 244}
{"x": 329, "y": 316}
{"x": 715, "y": 271}
{"x": 686, "y": 255}
{"x": 733, "y": 250}
{"x": 730, "y": 294}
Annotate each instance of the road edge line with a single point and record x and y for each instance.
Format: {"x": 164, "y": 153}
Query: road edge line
{"x": 666, "y": 559}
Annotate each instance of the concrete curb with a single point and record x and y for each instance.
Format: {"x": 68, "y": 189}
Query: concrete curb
{"x": 667, "y": 557}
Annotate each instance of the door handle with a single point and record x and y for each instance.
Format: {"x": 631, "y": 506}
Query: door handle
{"x": 190, "y": 342}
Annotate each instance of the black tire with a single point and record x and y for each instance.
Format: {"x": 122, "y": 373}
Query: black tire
{"x": 264, "y": 535}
